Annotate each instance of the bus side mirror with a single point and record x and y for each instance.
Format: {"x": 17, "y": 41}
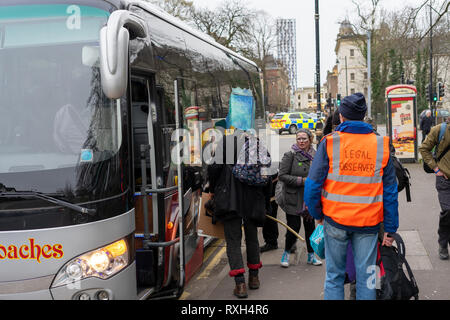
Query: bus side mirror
{"x": 114, "y": 41}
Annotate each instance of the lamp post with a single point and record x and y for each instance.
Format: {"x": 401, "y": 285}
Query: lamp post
{"x": 432, "y": 106}
{"x": 316, "y": 17}
{"x": 369, "y": 70}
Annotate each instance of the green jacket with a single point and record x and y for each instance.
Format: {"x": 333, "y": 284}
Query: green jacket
{"x": 430, "y": 142}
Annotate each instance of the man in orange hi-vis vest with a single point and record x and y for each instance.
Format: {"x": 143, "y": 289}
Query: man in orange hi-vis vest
{"x": 351, "y": 189}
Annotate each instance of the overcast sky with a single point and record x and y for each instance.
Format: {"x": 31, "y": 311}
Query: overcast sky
{"x": 331, "y": 12}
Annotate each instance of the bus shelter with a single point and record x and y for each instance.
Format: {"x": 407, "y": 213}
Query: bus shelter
{"x": 401, "y": 103}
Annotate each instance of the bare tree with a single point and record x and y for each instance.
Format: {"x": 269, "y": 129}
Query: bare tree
{"x": 397, "y": 43}
{"x": 178, "y": 8}
{"x": 443, "y": 12}
{"x": 228, "y": 24}
{"x": 262, "y": 32}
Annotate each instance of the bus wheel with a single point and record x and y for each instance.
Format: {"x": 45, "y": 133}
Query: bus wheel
{"x": 292, "y": 129}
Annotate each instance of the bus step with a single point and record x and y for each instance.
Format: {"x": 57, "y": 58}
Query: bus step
{"x": 145, "y": 268}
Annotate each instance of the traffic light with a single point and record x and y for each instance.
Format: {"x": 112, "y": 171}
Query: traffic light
{"x": 440, "y": 91}
{"x": 428, "y": 92}
{"x": 339, "y": 100}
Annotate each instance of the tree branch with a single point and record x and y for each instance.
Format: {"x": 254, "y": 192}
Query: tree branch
{"x": 436, "y": 22}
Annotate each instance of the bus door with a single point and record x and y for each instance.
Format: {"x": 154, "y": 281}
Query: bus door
{"x": 187, "y": 100}
{"x": 156, "y": 192}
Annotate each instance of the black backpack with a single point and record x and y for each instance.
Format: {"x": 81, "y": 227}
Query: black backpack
{"x": 395, "y": 285}
{"x": 402, "y": 174}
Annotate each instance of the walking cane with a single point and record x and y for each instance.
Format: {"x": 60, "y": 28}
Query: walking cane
{"x": 286, "y": 226}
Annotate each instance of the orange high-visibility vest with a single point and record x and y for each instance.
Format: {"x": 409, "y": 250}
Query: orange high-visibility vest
{"x": 352, "y": 194}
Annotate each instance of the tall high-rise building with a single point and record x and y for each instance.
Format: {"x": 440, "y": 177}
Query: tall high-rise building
{"x": 287, "y": 48}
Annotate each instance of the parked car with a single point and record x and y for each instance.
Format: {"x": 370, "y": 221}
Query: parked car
{"x": 292, "y": 121}
{"x": 314, "y": 115}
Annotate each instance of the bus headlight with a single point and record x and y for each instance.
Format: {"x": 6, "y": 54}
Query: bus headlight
{"x": 101, "y": 263}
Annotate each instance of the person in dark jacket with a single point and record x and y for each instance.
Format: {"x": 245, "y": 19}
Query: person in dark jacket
{"x": 332, "y": 122}
{"x": 294, "y": 169}
{"x": 237, "y": 204}
{"x": 425, "y": 125}
{"x": 270, "y": 228}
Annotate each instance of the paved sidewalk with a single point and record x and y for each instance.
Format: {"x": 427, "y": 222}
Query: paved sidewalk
{"x": 418, "y": 227}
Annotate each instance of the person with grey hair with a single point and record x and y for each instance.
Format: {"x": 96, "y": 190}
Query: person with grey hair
{"x": 426, "y": 124}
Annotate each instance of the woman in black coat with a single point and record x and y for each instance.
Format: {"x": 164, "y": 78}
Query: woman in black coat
{"x": 294, "y": 169}
{"x": 238, "y": 204}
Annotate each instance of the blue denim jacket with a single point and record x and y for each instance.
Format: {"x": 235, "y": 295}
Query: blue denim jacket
{"x": 318, "y": 174}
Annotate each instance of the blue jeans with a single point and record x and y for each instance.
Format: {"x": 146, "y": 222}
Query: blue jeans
{"x": 365, "y": 255}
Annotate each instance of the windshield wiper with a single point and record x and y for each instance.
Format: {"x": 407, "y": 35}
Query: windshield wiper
{"x": 33, "y": 194}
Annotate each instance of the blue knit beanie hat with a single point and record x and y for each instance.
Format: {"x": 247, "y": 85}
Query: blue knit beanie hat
{"x": 354, "y": 107}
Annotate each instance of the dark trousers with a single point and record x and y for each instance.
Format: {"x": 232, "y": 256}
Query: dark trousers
{"x": 424, "y": 135}
{"x": 233, "y": 238}
{"x": 270, "y": 228}
{"x": 295, "y": 222}
{"x": 443, "y": 189}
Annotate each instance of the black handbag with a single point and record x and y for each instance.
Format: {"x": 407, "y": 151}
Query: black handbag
{"x": 222, "y": 192}
{"x": 426, "y": 168}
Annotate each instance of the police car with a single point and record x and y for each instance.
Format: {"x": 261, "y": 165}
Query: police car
{"x": 292, "y": 121}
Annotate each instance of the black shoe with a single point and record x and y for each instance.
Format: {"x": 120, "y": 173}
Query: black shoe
{"x": 268, "y": 247}
{"x": 443, "y": 253}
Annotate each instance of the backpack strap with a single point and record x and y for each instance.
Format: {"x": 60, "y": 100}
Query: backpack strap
{"x": 408, "y": 193}
{"x": 441, "y": 136}
{"x": 292, "y": 153}
{"x": 443, "y": 153}
{"x": 401, "y": 250}
{"x": 411, "y": 277}
{"x": 400, "y": 244}
{"x": 442, "y": 131}
{"x": 407, "y": 186}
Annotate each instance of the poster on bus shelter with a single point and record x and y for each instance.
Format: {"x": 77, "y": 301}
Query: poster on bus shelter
{"x": 403, "y": 131}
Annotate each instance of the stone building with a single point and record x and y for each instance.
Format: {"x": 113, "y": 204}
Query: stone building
{"x": 351, "y": 65}
{"x": 332, "y": 83}
{"x": 277, "y": 88}
{"x": 305, "y": 99}
{"x": 352, "y": 73}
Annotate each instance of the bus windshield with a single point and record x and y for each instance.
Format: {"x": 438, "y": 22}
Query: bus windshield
{"x": 53, "y": 113}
